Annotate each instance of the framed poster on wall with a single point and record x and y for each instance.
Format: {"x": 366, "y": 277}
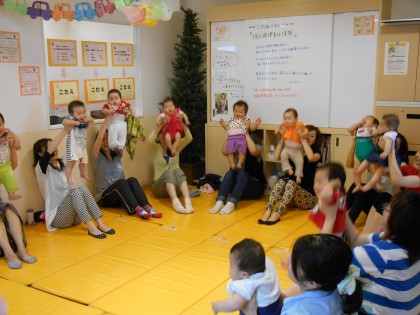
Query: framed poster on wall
{"x": 96, "y": 90}
{"x": 63, "y": 92}
{"x": 29, "y": 80}
{"x": 10, "y": 47}
{"x": 122, "y": 55}
{"x": 94, "y": 54}
{"x": 126, "y": 86}
{"x": 62, "y": 52}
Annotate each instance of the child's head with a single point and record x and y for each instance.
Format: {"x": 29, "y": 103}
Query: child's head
{"x": 327, "y": 173}
{"x": 370, "y": 121}
{"x": 321, "y": 262}
{"x": 402, "y": 218}
{"x": 390, "y": 122}
{"x": 246, "y": 258}
{"x": 290, "y": 117}
{"x": 240, "y": 109}
{"x": 114, "y": 97}
{"x": 169, "y": 105}
{"x": 77, "y": 110}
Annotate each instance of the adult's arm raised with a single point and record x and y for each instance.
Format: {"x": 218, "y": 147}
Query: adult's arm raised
{"x": 101, "y": 134}
{"x": 53, "y": 145}
{"x": 397, "y": 178}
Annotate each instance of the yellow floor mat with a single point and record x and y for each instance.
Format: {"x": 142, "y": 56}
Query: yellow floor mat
{"x": 174, "y": 265}
{"x": 23, "y": 300}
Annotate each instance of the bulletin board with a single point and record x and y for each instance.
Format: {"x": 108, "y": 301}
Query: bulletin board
{"x": 314, "y": 63}
{"x": 94, "y": 71}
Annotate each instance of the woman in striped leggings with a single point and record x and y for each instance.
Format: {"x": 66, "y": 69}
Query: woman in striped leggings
{"x": 288, "y": 192}
{"x": 64, "y": 206}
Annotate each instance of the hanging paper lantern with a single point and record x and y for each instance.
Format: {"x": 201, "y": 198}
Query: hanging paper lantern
{"x": 135, "y": 15}
{"x": 149, "y": 20}
{"x": 160, "y": 10}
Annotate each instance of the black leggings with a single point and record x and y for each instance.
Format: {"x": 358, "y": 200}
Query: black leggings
{"x": 125, "y": 192}
{"x": 363, "y": 201}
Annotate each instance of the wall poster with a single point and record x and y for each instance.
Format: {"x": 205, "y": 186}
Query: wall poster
{"x": 29, "y": 80}
{"x": 122, "y": 54}
{"x": 10, "y": 47}
{"x": 96, "y": 90}
{"x": 62, "y": 52}
{"x": 126, "y": 86}
{"x": 94, "y": 54}
{"x": 63, "y": 92}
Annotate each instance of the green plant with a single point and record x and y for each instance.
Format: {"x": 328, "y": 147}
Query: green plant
{"x": 188, "y": 84}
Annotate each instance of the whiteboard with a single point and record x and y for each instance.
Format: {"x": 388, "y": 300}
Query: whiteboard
{"x": 354, "y": 68}
{"x": 300, "y": 62}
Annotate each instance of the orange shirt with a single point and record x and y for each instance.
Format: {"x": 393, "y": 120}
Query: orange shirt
{"x": 291, "y": 133}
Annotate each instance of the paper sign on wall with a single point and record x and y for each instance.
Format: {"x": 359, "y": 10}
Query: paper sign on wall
{"x": 126, "y": 86}
{"x": 396, "y": 58}
{"x": 94, "y": 54}
{"x": 63, "y": 92}
{"x": 122, "y": 54}
{"x": 10, "y": 47}
{"x": 96, "y": 90}
{"x": 62, "y": 52}
{"x": 29, "y": 80}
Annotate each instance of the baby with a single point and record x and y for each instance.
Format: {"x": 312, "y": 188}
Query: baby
{"x": 379, "y": 154}
{"x": 250, "y": 271}
{"x": 364, "y": 132}
{"x": 172, "y": 131}
{"x": 117, "y": 131}
{"x": 237, "y": 130}
{"x": 330, "y": 213}
{"x": 9, "y": 143}
{"x": 76, "y": 139}
{"x": 290, "y": 131}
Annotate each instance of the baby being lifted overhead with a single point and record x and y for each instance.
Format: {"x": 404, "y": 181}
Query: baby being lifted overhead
{"x": 237, "y": 130}
{"x": 172, "y": 131}
{"x": 291, "y": 131}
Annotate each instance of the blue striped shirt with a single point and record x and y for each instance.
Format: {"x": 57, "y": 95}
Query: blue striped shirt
{"x": 391, "y": 284}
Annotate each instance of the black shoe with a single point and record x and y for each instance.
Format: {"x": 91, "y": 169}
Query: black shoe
{"x": 169, "y": 153}
{"x": 272, "y": 222}
{"x": 260, "y": 221}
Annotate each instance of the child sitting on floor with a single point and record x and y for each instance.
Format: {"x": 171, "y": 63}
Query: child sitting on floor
{"x": 320, "y": 264}
{"x": 250, "y": 271}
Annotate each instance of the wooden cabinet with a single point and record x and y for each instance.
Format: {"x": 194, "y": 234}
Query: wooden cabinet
{"x": 403, "y": 88}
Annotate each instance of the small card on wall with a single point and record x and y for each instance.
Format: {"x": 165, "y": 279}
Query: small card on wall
{"x": 126, "y": 86}
{"x": 96, "y": 90}
{"x": 63, "y": 92}
{"x": 10, "y": 47}
{"x": 122, "y": 54}
{"x": 94, "y": 54}
{"x": 62, "y": 52}
{"x": 29, "y": 80}
{"x": 364, "y": 25}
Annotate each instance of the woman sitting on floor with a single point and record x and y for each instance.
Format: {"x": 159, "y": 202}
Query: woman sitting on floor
{"x": 246, "y": 183}
{"x": 111, "y": 187}
{"x": 169, "y": 179}
{"x": 288, "y": 192}
{"x": 64, "y": 206}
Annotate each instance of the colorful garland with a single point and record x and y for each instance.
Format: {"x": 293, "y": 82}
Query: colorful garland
{"x": 137, "y": 13}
